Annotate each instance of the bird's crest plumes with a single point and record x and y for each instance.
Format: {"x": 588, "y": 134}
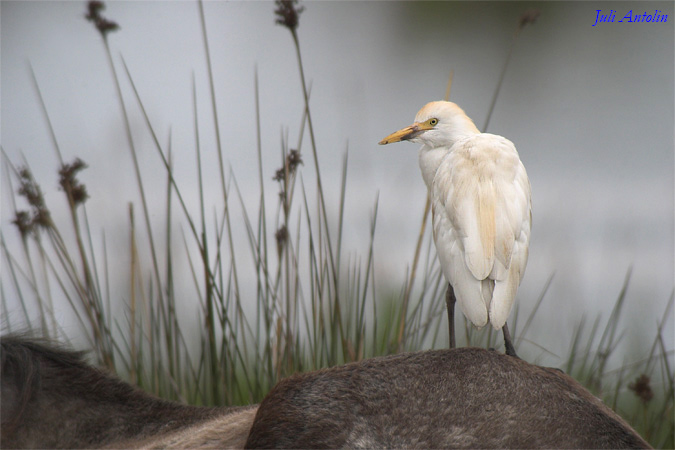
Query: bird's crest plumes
{"x": 436, "y": 108}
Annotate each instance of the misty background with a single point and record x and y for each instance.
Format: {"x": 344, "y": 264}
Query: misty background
{"x": 589, "y": 108}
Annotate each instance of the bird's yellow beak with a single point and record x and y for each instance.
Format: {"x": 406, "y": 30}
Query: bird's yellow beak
{"x": 406, "y": 133}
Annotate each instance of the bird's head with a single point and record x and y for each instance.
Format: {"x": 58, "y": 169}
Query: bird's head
{"x": 437, "y": 124}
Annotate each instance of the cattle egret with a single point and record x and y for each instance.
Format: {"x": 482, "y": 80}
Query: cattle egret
{"x": 481, "y": 212}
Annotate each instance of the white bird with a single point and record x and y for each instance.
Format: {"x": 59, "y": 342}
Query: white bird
{"x": 481, "y": 212}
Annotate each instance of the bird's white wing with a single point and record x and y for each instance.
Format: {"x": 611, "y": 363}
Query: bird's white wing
{"x": 482, "y": 215}
{"x": 473, "y": 299}
{"x": 512, "y": 244}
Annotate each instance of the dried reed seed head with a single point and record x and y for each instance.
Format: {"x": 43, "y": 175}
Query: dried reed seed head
{"x": 80, "y": 194}
{"x": 24, "y": 223}
{"x": 281, "y": 237}
{"x": 103, "y": 25}
{"x": 282, "y": 234}
{"x": 293, "y": 160}
{"x": 25, "y": 174}
{"x": 69, "y": 170}
{"x": 70, "y": 184}
{"x": 42, "y": 218}
{"x": 528, "y": 17}
{"x": 29, "y": 189}
{"x": 94, "y": 7}
{"x": 287, "y": 13}
{"x": 642, "y": 388}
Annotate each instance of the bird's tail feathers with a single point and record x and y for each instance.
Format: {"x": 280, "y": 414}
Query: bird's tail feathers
{"x": 470, "y": 296}
{"x": 503, "y": 296}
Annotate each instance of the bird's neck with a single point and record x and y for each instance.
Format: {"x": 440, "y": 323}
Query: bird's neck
{"x": 459, "y": 128}
{"x": 430, "y": 159}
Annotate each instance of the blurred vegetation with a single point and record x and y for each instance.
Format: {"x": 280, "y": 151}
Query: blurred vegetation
{"x": 314, "y": 306}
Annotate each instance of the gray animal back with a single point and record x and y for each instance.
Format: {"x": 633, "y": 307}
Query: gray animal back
{"x": 457, "y": 398}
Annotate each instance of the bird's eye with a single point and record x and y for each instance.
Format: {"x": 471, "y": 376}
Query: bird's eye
{"x": 433, "y": 122}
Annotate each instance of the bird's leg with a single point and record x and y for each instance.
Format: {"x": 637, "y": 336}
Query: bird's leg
{"x": 510, "y": 350}
{"x": 450, "y": 303}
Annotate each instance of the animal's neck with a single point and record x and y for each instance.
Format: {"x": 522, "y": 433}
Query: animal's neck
{"x": 432, "y": 153}
{"x": 462, "y": 127}
{"x": 430, "y": 159}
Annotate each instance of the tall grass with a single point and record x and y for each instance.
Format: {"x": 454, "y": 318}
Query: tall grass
{"x": 314, "y": 305}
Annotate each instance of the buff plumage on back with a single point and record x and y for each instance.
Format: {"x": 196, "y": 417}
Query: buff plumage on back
{"x": 482, "y": 225}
